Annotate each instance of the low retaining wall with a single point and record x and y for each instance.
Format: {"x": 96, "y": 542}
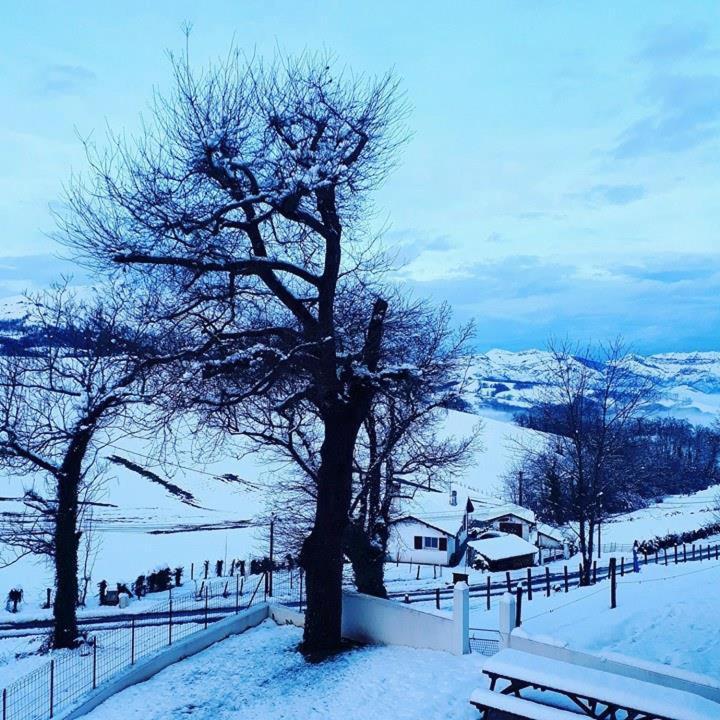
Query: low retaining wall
{"x": 182, "y": 649}
{"x": 369, "y": 619}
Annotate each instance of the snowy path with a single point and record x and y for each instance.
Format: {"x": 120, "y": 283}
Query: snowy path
{"x": 260, "y": 674}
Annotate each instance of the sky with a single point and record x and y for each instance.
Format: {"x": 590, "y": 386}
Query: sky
{"x": 561, "y": 178}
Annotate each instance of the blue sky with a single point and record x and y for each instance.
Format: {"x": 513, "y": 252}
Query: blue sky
{"x": 562, "y": 176}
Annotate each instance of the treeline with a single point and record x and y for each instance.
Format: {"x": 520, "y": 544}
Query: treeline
{"x": 652, "y": 458}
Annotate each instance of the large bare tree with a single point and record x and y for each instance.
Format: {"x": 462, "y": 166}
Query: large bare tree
{"x": 60, "y": 400}
{"x": 244, "y": 204}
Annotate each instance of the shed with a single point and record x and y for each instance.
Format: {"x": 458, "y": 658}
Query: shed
{"x": 503, "y": 551}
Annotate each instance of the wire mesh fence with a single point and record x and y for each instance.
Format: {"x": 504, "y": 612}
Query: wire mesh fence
{"x": 114, "y": 647}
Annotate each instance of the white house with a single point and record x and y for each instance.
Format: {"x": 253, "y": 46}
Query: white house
{"x": 502, "y": 551}
{"x": 431, "y": 530}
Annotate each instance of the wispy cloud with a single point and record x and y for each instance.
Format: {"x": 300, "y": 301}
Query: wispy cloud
{"x": 65, "y": 79}
{"x": 684, "y": 104}
{"x": 612, "y": 194}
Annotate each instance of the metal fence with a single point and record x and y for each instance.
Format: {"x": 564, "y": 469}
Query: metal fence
{"x": 484, "y": 641}
{"x": 114, "y": 647}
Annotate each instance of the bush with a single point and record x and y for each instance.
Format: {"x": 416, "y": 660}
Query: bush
{"x": 650, "y": 547}
{"x": 14, "y": 598}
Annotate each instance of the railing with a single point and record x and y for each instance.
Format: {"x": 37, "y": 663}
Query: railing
{"x": 111, "y": 648}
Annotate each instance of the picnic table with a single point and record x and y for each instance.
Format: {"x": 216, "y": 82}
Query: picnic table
{"x": 596, "y": 693}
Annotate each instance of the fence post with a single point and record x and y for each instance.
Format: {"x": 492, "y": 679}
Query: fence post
{"x": 461, "y": 619}
{"x": 716, "y": 552}
{"x": 192, "y": 571}
{"x": 656, "y": 557}
{"x": 565, "y": 572}
{"x": 693, "y": 551}
{"x": 594, "y": 571}
{"x": 94, "y": 662}
{"x": 665, "y": 553}
{"x": 684, "y": 553}
{"x": 547, "y": 581}
{"x": 170, "y": 620}
{"x": 4, "y": 717}
{"x": 52, "y": 687}
{"x": 301, "y": 589}
{"x": 206, "y": 608}
{"x": 488, "y": 592}
{"x": 237, "y": 594}
{"x": 529, "y": 580}
{"x": 508, "y": 615}
{"x": 613, "y": 583}
{"x": 507, "y": 579}
{"x": 518, "y": 605}
{"x": 132, "y": 642}
{"x": 676, "y": 559}
{"x": 437, "y": 598}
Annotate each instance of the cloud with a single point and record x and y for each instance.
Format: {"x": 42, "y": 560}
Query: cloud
{"x": 686, "y": 114}
{"x": 665, "y": 304}
{"x": 33, "y": 272}
{"x": 671, "y": 43}
{"x": 612, "y": 194}
{"x": 66, "y": 79}
{"x": 409, "y": 245}
{"x": 684, "y": 103}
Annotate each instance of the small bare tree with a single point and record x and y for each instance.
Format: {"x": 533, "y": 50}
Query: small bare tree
{"x": 590, "y": 399}
{"x": 59, "y": 402}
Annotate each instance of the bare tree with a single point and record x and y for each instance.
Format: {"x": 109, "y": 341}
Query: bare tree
{"x": 59, "y": 402}
{"x": 590, "y": 400}
{"x": 243, "y": 204}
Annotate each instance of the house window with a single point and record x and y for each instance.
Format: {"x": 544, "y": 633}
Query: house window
{"x": 443, "y": 544}
{"x": 431, "y": 543}
{"x": 418, "y": 542}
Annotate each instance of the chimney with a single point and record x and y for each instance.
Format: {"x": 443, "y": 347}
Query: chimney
{"x": 453, "y": 497}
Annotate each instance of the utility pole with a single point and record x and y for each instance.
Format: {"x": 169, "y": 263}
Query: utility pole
{"x": 272, "y": 549}
{"x": 520, "y": 487}
{"x": 598, "y": 540}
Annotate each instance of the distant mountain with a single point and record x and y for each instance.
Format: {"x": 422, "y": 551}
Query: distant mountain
{"x": 505, "y": 382}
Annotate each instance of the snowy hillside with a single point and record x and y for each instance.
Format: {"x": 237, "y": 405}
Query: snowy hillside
{"x": 688, "y": 383}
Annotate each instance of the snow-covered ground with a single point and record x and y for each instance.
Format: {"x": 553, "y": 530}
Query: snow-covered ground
{"x": 666, "y": 615}
{"x": 260, "y": 674}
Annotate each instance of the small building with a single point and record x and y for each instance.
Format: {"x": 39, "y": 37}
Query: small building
{"x": 502, "y": 551}
{"x": 551, "y": 542}
{"x": 415, "y": 540}
{"x": 507, "y": 518}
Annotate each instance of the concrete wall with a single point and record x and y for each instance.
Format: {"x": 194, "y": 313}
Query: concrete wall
{"x": 145, "y": 669}
{"x": 369, "y": 619}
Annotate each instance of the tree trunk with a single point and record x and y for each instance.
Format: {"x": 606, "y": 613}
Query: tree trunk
{"x": 67, "y": 540}
{"x": 322, "y": 551}
{"x": 368, "y": 560}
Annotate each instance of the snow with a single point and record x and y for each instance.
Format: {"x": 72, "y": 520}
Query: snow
{"x": 589, "y": 683}
{"x": 487, "y": 514}
{"x": 502, "y": 547}
{"x": 665, "y": 615}
{"x": 260, "y": 674}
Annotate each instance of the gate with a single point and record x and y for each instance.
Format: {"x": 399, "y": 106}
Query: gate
{"x": 484, "y": 641}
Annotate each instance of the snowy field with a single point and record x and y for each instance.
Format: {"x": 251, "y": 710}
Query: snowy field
{"x": 666, "y": 615}
{"x": 260, "y": 674}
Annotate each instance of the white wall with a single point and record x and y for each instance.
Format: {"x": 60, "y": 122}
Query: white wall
{"x": 401, "y": 544}
{"x": 369, "y": 619}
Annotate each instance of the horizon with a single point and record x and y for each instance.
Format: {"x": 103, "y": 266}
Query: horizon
{"x": 559, "y": 177}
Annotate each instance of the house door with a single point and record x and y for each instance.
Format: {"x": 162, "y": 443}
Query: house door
{"x": 512, "y": 528}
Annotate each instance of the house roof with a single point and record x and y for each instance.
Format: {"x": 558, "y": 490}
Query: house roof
{"x": 550, "y": 531}
{"x": 449, "y": 525}
{"x": 502, "y": 547}
{"x": 485, "y": 512}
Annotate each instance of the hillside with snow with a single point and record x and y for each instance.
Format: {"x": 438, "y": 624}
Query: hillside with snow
{"x": 506, "y": 382}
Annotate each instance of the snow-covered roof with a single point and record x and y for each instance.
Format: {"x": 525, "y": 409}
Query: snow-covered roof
{"x": 448, "y": 523}
{"x": 550, "y": 531}
{"x": 485, "y": 512}
{"x": 502, "y": 547}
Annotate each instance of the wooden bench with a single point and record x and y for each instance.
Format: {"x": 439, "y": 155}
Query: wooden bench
{"x": 596, "y": 693}
{"x": 486, "y": 700}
